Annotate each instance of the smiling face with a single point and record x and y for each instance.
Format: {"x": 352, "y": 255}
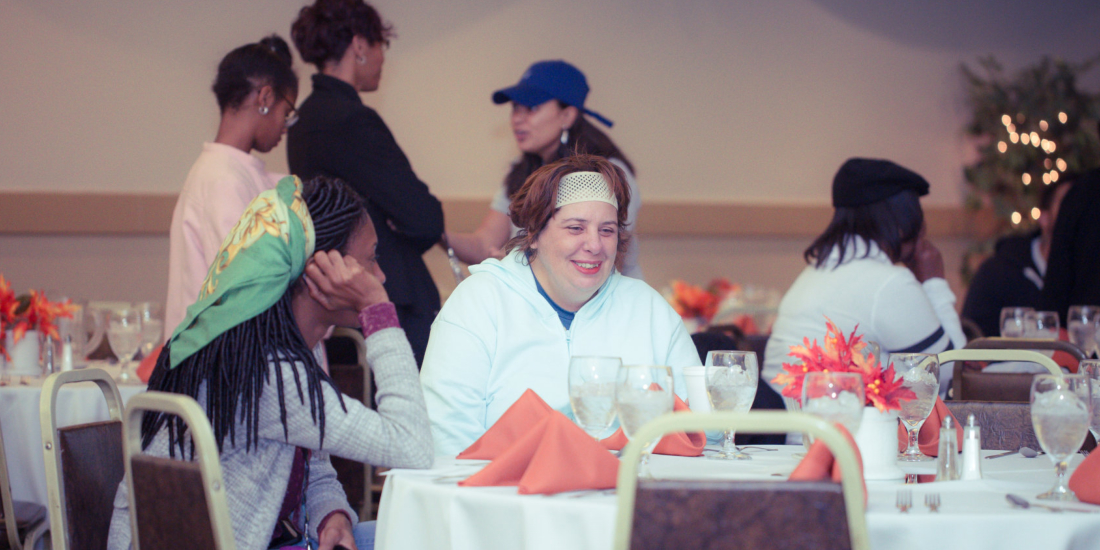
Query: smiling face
{"x": 538, "y": 129}
{"x": 576, "y": 252}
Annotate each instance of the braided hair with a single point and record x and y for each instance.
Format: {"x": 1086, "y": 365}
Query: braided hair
{"x": 234, "y": 367}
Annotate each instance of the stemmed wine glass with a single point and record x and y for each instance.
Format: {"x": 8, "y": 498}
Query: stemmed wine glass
{"x": 834, "y": 396}
{"x": 1060, "y": 415}
{"x": 1090, "y": 368}
{"x": 642, "y": 393}
{"x": 1081, "y": 324}
{"x": 152, "y": 326}
{"x": 124, "y": 334}
{"x": 920, "y": 373}
{"x": 592, "y": 392}
{"x": 1012, "y": 321}
{"x": 732, "y": 377}
{"x": 1042, "y": 325}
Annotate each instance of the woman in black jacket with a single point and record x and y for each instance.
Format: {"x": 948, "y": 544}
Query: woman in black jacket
{"x": 338, "y": 136}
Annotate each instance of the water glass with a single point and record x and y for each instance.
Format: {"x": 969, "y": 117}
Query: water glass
{"x": 124, "y": 335}
{"x": 592, "y": 392}
{"x": 1060, "y": 415}
{"x": 1081, "y": 325}
{"x": 1090, "y": 368}
{"x": 920, "y": 373}
{"x": 732, "y": 377}
{"x": 642, "y": 393}
{"x": 152, "y": 326}
{"x": 1012, "y": 321}
{"x": 837, "y": 397}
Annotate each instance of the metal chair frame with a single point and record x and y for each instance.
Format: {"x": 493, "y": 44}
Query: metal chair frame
{"x": 47, "y": 404}
{"x": 1028, "y": 344}
{"x": 752, "y": 422}
{"x": 366, "y": 512}
{"x": 1000, "y": 355}
{"x": 206, "y": 451}
{"x": 10, "y": 524}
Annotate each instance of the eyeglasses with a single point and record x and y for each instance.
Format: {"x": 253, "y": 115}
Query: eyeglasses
{"x": 292, "y": 114}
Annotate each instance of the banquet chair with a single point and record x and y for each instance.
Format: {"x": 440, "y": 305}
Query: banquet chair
{"x": 19, "y": 517}
{"x": 969, "y": 383}
{"x": 83, "y": 465}
{"x": 175, "y": 504}
{"x": 740, "y": 514}
{"x": 347, "y": 353}
{"x": 1005, "y": 426}
{"x": 1028, "y": 344}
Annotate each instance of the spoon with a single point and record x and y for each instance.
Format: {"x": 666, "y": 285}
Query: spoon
{"x": 1022, "y": 502}
{"x": 1028, "y": 452}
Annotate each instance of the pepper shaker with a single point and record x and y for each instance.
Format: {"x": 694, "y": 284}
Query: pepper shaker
{"x": 947, "y": 461}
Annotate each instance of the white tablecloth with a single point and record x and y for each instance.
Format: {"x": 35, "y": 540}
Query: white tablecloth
{"x": 76, "y": 404}
{"x": 425, "y": 509}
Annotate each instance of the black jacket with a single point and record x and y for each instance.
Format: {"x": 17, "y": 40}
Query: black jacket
{"x": 337, "y": 136}
{"x": 1009, "y": 279}
{"x": 1073, "y": 268}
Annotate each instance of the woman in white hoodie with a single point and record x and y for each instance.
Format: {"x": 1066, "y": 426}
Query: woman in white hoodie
{"x": 515, "y": 322}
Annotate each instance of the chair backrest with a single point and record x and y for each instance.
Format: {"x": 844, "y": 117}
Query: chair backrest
{"x": 970, "y": 383}
{"x": 175, "y": 504}
{"x": 642, "y": 500}
{"x": 1004, "y": 426}
{"x": 351, "y": 373}
{"x": 1028, "y": 343}
{"x": 1020, "y": 355}
{"x": 83, "y": 465}
{"x": 10, "y": 528}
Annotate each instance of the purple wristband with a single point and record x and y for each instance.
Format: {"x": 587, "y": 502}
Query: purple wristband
{"x": 377, "y": 317}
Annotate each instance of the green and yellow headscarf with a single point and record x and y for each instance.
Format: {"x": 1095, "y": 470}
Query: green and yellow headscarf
{"x": 264, "y": 253}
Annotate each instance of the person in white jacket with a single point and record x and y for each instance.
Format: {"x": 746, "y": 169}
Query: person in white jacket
{"x": 515, "y": 322}
{"x": 873, "y": 268}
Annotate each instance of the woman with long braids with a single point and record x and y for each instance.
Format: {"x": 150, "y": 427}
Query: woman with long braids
{"x": 243, "y": 352}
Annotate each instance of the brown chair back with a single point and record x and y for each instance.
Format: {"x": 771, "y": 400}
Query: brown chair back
{"x": 181, "y": 522}
{"x": 739, "y": 515}
{"x": 971, "y": 384}
{"x": 91, "y": 469}
{"x": 1005, "y": 426}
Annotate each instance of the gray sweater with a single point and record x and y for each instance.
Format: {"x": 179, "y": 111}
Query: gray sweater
{"x": 398, "y": 435}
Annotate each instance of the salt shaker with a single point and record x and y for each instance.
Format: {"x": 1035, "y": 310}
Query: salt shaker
{"x": 947, "y": 463}
{"x": 67, "y": 354}
{"x": 972, "y": 450}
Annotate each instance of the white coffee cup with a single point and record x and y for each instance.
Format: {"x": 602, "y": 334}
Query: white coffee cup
{"x": 696, "y": 379}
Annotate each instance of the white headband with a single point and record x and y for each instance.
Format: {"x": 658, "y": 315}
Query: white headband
{"x": 585, "y": 186}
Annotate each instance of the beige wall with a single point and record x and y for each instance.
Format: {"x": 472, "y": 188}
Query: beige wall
{"x": 714, "y": 100}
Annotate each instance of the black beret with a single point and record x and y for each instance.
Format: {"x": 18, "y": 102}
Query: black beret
{"x": 867, "y": 181}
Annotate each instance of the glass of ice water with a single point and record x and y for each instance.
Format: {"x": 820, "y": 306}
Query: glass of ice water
{"x": 732, "y": 377}
{"x": 920, "y": 373}
{"x": 152, "y": 326}
{"x": 1081, "y": 324}
{"x": 837, "y": 397}
{"x": 1042, "y": 325}
{"x": 642, "y": 393}
{"x": 592, "y": 392}
{"x": 124, "y": 335}
{"x": 1090, "y": 368}
{"x": 1060, "y": 414}
{"x": 1012, "y": 321}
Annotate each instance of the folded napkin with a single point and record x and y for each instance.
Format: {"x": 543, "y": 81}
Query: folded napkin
{"x": 819, "y": 464}
{"x": 145, "y": 368}
{"x": 553, "y": 457}
{"x": 1085, "y": 481}
{"x": 929, "y": 436}
{"x": 516, "y": 422}
{"x": 676, "y": 444}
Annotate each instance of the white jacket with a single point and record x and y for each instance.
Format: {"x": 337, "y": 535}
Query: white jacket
{"x": 497, "y": 336}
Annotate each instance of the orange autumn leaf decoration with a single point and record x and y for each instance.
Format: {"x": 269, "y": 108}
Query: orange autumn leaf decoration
{"x": 842, "y": 354}
{"x": 692, "y": 301}
{"x": 29, "y": 312}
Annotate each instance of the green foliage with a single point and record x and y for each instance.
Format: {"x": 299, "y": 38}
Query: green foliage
{"x": 1042, "y": 100}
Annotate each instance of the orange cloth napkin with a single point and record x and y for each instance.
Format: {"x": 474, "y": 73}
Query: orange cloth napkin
{"x": 819, "y": 464}
{"x": 677, "y": 444}
{"x": 553, "y": 457}
{"x": 1085, "y": 481}
{"x": 515, "y": 423}
{"x": 145, "y": 368}
{"x": 929, "y": 436}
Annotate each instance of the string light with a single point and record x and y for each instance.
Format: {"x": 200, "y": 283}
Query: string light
{"x": 1062, "y": 117}
{"x": 1035, "y": 213}
{"x": 1014, "y": 137}
{"x": 1016, "y": 218}
{"x": 1061, "y": 164}
{"x": 1046, "y": 178}
{"x": 1006, "y": 120}
{"x": 1047, "y": 163}
{"x": 1043, "y": 125}
{"x": 1025, "y": 138}
{"x": 1054, "y": 176}
{"x": 1002, "y": 146}
{"x": 1052, "y": 147}
{"x": 1035, "y": 139}
{"x": 1027, "y": 178}
{"x": 1011, "y": 127}
{"x": 1020, "y": 118}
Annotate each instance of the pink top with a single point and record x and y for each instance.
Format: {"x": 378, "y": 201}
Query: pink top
{"x": 219, "y": 187}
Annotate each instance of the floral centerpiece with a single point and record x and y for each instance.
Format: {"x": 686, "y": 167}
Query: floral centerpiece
{"x": 29, "y": 312}
{"x": 842, "y": 354}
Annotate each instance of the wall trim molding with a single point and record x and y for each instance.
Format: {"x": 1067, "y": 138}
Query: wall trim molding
{"x": 80, "y": 214}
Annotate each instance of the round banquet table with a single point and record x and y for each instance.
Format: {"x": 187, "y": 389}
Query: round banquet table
{"x": 426, "y": 509}
{"x": 77, "y": 403}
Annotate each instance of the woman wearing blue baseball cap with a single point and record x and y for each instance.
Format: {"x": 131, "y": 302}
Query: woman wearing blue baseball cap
{"x": 549, "y": 123}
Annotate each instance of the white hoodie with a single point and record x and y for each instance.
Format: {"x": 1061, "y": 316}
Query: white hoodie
{"x": 497, "y": 336}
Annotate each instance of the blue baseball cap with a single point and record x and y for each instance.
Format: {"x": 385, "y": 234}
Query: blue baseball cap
{"x": 548, "y": 80}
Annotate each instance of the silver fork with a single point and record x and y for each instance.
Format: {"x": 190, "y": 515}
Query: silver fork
{"x": 932, "y": 501}
{"x": 905, "y": 500}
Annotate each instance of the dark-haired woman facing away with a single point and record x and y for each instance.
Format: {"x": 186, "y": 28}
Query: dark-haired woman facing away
{"x": 874, "y": 268}
{"x": 301, "y": 260}
{"x": 256, "y": 90}
{"x": 339, "y": 136}
{"x": 549, "y": 122}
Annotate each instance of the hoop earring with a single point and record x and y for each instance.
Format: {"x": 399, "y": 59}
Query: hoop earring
{"x": 565, "y": 136}
{"x": 361, "y": 60}
{"x": 263, "y": 110}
